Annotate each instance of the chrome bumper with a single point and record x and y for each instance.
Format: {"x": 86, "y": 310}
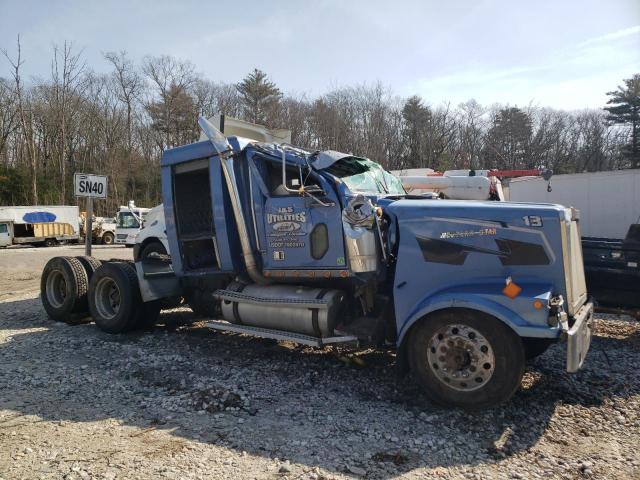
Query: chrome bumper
{"x": 579, "y": 338}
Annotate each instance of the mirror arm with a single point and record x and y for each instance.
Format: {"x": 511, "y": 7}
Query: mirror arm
{"x": 301, "y": 190}
{"x": 284, "y": 173}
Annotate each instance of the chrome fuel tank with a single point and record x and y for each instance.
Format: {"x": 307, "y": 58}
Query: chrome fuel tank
{"x": 310, "y": 311}
{"x": 362, "y": 248}
{"x": 358, "y": 224}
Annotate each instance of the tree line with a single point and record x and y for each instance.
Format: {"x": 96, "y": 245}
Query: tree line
{"x": 118, "y": 123}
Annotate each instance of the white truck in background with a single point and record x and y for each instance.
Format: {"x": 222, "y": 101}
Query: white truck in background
{"x": 153, "y": 237}
{"x": 39, "y": 225}
{"x": 465, "y": 184}
{"x": 456, "y": 184}
{"x": 104, "y": 229}
{"x": 129, "y": 221}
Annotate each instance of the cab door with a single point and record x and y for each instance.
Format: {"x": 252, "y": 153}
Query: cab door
{"x": 5, "y": 234}
{"x": 301, "y": 232}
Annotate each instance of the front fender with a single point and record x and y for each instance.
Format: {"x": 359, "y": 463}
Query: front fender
{"x": 520, "y": 314}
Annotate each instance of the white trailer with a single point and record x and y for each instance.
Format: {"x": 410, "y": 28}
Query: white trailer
{"x": 608, "y": 201}
{"x": 36, "y": 225}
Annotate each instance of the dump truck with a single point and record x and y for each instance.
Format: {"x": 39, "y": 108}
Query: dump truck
{"x": 324, "y": 248}
{"x": 46, "y": 225}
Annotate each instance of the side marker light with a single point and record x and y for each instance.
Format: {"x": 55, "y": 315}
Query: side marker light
{"x": 511, "y": 290}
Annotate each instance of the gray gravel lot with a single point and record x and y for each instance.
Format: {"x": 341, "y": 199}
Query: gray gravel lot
{"x": 180, "y": 401}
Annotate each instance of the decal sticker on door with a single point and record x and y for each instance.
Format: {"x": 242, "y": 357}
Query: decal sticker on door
{"x": 287, "y": 228}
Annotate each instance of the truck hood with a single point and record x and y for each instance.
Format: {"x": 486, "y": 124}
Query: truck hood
{"x": 492, "y": 211}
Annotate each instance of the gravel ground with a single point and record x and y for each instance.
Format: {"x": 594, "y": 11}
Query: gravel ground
{"x": 180, "y": 401}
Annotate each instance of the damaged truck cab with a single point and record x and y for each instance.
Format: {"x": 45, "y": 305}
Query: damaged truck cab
{"x": 325, "y": 247}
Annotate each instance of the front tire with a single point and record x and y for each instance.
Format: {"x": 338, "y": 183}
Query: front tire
{"x": 107, "y": 238}
{"x": 151, "y": 248}
{"x": 465, "y": 358}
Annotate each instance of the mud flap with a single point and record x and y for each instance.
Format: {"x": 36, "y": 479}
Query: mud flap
{"x": 579, "y": 338}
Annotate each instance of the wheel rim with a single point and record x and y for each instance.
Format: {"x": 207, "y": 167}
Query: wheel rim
{"x": 107, "y": 298}
{"x": 461, "y": 357}
{"x": 107, "y": 239}
{"x": 56, "y": 289}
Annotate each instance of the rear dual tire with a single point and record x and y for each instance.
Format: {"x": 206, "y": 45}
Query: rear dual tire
{"x": 115, "y": 302}
{"x": 64, "y": 285}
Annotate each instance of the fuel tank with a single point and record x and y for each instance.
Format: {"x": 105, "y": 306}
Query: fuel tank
{"x": 309, "y": 311}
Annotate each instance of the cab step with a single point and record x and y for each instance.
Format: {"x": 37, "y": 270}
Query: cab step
{"x": 280, "y": 334}
{"x": 233, "y": 296}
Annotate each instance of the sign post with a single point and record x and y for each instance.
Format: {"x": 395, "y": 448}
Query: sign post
{"x": 89, "y": 186}
{"x": 88, "y": 227}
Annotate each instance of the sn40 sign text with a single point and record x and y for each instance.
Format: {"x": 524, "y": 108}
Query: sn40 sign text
{"x": 90, "y": 185}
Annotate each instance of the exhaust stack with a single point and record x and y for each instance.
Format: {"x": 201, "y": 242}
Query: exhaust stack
{"x": 219, "y": 142}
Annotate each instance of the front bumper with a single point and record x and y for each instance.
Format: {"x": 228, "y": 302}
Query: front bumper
{"x": 579, "y": 338}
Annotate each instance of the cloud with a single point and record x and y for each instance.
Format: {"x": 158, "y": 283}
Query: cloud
{"x": 572, "y": 76}
{"x": 625, "y": 32}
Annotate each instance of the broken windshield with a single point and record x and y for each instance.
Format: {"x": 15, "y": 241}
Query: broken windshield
{"x": 364, "y": 176}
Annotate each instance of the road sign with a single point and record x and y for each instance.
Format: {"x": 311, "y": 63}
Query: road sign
{"x": 92, "y": 186}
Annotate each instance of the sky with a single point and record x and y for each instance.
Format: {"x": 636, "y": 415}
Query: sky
{"x": 563, "y": 53}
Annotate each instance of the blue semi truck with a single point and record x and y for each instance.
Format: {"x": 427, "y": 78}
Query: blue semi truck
{"x": 323, "y": 247}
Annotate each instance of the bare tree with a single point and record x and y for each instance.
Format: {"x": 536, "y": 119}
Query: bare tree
{"x": 470, "y": 126}
{"x": 25, "y": 118}
{"x": 172, "y": 79}
{"x": 119, "y": 124}
{"x": 8, "y": 114}
{"x": 66, "y": 71}
{"x": 130, "y": 85}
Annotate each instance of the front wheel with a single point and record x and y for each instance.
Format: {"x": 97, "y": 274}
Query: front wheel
{"x": 465, "y": 358}
{"x": 151, "y": 249}
{"x": 107, "y": 238}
